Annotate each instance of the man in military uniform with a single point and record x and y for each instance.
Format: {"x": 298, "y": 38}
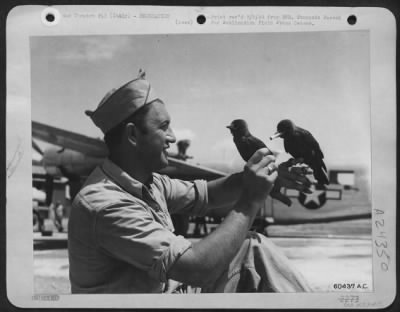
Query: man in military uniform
{"x": 121, "y": 238}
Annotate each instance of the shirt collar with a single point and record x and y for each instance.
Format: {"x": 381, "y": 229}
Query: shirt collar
{"x": 123, "y": 179}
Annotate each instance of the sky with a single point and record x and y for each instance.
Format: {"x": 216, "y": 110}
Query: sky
{"x": 320, "y": 80}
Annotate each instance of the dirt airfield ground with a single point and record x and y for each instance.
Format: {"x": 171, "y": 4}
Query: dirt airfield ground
{"x": 326, "y": 254}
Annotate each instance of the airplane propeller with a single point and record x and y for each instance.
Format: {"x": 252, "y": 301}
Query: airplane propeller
{"x": 37, "y": 148}
{"x": 36, "y": 161}
{"x": 49, "y": 179}
{"x": 49, "y": 187}
{"x": 74, "y": 181}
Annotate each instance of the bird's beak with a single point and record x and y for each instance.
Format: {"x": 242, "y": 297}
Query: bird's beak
{"x": 276, "y": 135}
{"x": 229, "y": 127}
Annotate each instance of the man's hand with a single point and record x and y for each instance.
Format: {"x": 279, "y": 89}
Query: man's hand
{"x": 259, "y": 175}
{"x": 209, "y": 257}
{"x": 291, "y": 174}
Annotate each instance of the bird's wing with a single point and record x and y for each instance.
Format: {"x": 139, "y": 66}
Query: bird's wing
{"x": 294, "y": 145}
{"x": 311, "y": 143}
{"x": 248, "y": 145}
{"x": 256, "y": 142}
{"x": 320, "y": 170}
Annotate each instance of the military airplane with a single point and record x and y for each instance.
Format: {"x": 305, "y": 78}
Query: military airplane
{"x": 74, "y": 156}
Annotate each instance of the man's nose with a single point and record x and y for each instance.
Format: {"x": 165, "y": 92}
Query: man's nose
{"x": 171, "y": 136}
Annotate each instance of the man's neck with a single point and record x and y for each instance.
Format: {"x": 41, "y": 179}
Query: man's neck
{"x": 134, "y": 168}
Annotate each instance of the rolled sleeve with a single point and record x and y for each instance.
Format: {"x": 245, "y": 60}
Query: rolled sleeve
{"x": 128, "y": 232}
{"x": 200, "y": 206}
{"x": 186, "y": 197}
{"x": 176, "y": 249}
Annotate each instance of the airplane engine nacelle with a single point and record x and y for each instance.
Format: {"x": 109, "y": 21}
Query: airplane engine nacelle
{"x": 75, "y": 163}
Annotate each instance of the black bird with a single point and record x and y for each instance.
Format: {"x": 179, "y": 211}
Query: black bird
{"x": 246, "y": 143}
{"x": 300, "y": 143}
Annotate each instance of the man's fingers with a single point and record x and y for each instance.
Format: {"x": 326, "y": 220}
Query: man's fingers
{"x": 292, "y": 161}
{"x": 265, "y": 161}
{"x": 294, "y": 175}
{"x": 259, "y": 155}
{"x": 274, "y": 151}
{"x": 301, "y": 170}
{"x": 287, "y": 163}
{"x": 298, "y": 160}
{"x": 271, "y": 168}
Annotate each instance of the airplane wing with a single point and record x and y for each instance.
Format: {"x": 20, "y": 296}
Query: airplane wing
{"x": 70, "y": 140}
{"x": 97, "y": 148}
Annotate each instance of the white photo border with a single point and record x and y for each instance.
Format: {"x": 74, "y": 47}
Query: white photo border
{"x": 26, "y": 21}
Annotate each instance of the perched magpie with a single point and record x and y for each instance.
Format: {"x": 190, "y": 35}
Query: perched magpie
{"x": 300, "y": 143}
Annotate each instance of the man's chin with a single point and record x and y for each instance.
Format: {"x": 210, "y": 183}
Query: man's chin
{"x": 164, "y": 162}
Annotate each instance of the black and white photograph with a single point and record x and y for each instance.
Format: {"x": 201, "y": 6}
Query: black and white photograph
{"x": 196, "y": 163}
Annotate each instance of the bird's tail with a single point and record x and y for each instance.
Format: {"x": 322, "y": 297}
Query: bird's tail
{"x": 321, "y": 174}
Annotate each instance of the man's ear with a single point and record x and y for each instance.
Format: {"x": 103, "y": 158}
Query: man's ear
{"x": 131, "y": 133}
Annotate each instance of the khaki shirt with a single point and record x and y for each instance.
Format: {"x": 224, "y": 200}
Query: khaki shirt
{"x": 120, "y": 232}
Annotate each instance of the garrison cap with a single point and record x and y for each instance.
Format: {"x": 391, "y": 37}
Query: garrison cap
{"x": 118, "y": 104}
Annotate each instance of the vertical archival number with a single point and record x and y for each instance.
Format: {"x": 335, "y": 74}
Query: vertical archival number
{"x": 380, "y": 240}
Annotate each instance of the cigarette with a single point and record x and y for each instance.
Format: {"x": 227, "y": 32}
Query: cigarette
{"x": 276, "y": 135}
